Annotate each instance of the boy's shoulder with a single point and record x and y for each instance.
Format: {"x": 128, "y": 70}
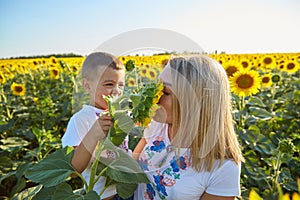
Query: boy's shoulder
{"x": 87, "y": 111}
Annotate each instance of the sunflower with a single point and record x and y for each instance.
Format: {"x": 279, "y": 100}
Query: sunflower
{"x": 246, "y": 64}
{"x": 280, "y": 64}
{"x": 268, "y": 61}
{"x": 291, "y": 66}
{"x": 245, "y": 83}
{"x": 145, "y": 122}
{"x": 254, "y": 196}
{"x": 36, "y": 101}
{"x": 18, "y": 89}
{"x": 151, "y": 74}
{"x": 2, "y": 78}
{"x": 232, "y": 67}
{"x": 266, "y": 80}
{"x": 143, "y": 71}
{"x": 54, "y": 72}
{"x": 159, "y": 92}
{"x": 53, "y": 60}
{"x": 131, "y": 82}
{"x": 276, "y": 78}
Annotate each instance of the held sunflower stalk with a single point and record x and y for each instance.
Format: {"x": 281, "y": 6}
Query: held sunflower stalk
{"x": 134, "y": 107}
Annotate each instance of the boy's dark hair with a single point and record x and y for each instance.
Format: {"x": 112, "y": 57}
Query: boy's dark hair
{"x": 97, "y": 60}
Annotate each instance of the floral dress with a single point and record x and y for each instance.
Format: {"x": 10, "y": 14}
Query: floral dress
{"x": 171, "y": 174}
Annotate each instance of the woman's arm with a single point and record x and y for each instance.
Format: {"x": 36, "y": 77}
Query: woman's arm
{"x": 139, "y": 148}
{"x": 207, "y": 196}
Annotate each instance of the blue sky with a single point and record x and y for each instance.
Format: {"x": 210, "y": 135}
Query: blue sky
{"x": 36, "y": 27}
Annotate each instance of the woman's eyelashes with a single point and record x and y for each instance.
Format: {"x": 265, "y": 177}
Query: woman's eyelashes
{"x": 166, "y": 92}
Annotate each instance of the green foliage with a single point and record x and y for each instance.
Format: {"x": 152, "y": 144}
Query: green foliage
{"x": 129, "y": 65}
{"x": 268, "y": 130}
{"x": 54, "y": 169}
{"x": 31, "y": 127}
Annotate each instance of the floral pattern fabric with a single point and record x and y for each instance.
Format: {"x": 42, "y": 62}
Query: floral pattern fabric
{"x": 159, "y": 159}
{"x": 171, "y": 174}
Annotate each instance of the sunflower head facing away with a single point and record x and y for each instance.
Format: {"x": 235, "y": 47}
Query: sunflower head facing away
{"x": 245, "y": 83}
{"x": 2, "y": 78}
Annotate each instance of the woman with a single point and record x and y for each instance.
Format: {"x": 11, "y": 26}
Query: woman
{"x": 190, "y": 149}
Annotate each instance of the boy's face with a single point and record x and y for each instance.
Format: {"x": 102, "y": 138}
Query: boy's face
{"x": 110, "y": 82}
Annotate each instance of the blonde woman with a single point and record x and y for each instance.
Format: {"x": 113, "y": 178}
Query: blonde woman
{"x": 190, "y": 150}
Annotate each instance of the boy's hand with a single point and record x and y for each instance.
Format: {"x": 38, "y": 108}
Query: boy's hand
{"x": 102, "y": 126}
{"x": 105, "y": 122}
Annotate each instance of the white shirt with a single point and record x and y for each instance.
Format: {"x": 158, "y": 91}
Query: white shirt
{"x": 178, "y": 180}
{"x": 78, "y": 126}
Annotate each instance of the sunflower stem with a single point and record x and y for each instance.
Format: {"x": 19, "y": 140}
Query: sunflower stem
{"x": 94, "y": 166}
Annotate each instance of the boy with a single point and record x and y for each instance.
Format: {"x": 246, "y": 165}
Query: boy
{"x": 102, "y": 74}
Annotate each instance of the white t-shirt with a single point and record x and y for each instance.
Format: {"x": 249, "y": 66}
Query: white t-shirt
{"x": 172, "y": 177}
{"x": 78, "y": 126}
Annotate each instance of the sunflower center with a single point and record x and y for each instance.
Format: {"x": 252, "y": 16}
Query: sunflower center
{"x": 245, "y": 81}
{"x": 265, "y": 79}
{"x": 18, "y": 89}
{"x": 267, "y": 60}
{"x": 54, "y": 72}
{"x": 275, "y": 78}
{"x": 245, "y": 64}
{"x": 231, "y": 70}
{"x": 131, "y": 82}
{"x": 290, "y": 66}
{"x": 152, "y": 74}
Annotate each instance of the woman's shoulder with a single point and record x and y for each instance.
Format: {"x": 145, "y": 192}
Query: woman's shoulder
{"x": 156, "y": 129}
{"x": 227, "y": 166}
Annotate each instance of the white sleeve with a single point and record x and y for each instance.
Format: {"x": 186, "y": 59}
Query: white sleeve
{"x": 76, "y": 130}
{"x": 155, "y": 128}
{"x": 225, "y": 181}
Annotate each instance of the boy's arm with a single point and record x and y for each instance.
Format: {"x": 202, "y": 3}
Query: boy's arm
{"x": 84, "y": 152}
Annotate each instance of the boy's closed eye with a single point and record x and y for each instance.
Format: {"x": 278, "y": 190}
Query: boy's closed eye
{"x": 109, "y": 84}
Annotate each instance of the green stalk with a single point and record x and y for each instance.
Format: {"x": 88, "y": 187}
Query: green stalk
{"x": 277, "y": 171}
{"x": 101, "y": 173}
{"x": 105, "y": 185}
{"x": 94, "y": 167}
{"x": 81, "y": 177}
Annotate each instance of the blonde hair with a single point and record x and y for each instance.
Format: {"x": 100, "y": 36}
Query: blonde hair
{"x": 202, "y": 111}
{"x": 99, "y": 61}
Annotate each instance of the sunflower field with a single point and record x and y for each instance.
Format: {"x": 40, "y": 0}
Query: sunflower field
{"x": 37, "y": 98}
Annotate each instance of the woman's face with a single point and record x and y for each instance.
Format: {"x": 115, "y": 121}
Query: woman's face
{"x": 165, "y": 113}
